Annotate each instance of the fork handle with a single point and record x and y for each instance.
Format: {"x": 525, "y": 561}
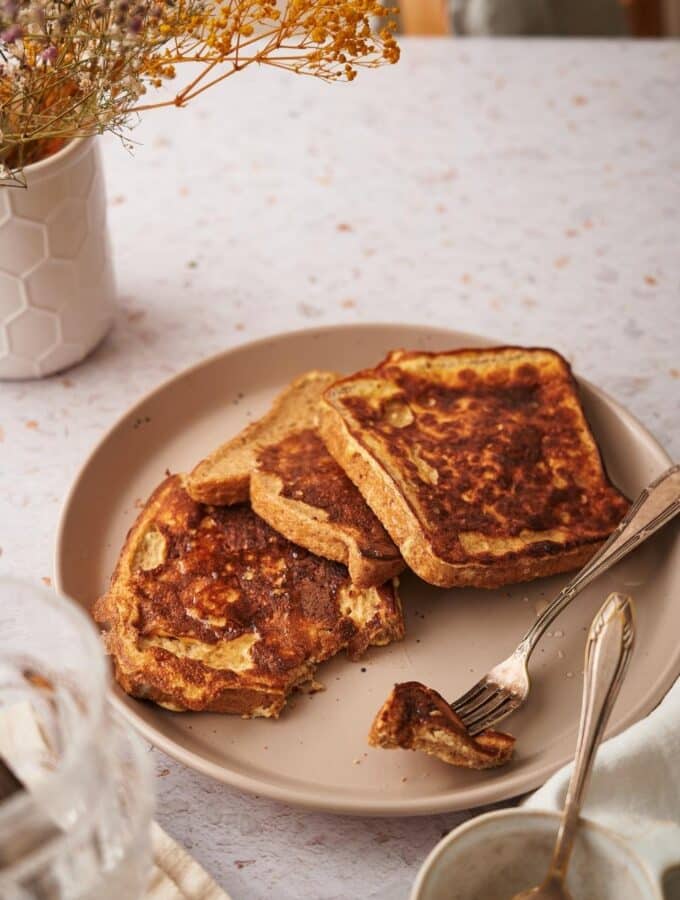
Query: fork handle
{"x": 656, "y": 505}
{"x": 608, "y": 650}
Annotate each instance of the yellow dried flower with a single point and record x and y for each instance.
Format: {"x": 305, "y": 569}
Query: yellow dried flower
{"x": 80, "y": 68}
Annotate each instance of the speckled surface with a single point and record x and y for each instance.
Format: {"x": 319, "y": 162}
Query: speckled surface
{"x": 527, "y": 191}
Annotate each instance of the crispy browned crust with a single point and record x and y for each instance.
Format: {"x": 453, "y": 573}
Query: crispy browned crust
{"x": 301, "y": 491}
{"x": 210, "y": 609}
{"x": 414, "y": 717}
{"x": 479, "y": 463}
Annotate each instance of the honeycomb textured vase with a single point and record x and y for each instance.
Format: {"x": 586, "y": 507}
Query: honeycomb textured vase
{"x": 57, "y": 290}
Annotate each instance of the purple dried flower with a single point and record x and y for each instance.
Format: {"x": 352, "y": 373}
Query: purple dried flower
{"x": 12, "y": 34}
{"x": 135, "y": 25}
{"x": 10, "y": 8}
{"x": 48, "y": 55}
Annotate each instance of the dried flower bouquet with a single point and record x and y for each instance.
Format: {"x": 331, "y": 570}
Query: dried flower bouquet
{"x": 72, "y": 68}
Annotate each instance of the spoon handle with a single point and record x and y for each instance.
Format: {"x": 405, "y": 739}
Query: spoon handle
{"x": 608, "y": 650}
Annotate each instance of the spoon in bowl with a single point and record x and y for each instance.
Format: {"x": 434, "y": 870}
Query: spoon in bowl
{"x": 608, "y": 650}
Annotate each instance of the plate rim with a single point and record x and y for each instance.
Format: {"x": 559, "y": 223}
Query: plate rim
{"x": 308, "y": 798}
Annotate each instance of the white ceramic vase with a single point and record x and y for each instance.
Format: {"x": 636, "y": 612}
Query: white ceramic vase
{"x": 57, "y": 289}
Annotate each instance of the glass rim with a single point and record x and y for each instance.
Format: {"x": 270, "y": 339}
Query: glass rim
{"x": 98, "y": 682}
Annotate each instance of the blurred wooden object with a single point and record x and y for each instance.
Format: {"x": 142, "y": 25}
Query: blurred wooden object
{"x": 672, "y": 18}
{"x": 424, "y": 17}
{"x": 645, "y": 17}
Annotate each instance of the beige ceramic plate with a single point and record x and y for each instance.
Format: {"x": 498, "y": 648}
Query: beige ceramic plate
{"x": 316, "y": 754}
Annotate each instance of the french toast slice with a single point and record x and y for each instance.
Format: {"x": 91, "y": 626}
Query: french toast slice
{"x": 223, "y": 477}
{"x": 301, "y": 491}
{"x": 294, "y": 484}
{"x": 479, "y": 463}
{"x": 211, "y": 609}
{"x": 415, "y": 717}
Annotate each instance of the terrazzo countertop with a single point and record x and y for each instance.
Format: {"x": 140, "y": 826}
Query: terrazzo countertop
{"x": 526, "y": 191}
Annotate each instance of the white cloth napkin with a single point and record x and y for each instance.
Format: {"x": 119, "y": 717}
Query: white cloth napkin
{"x": 635, "y": 787}
{"x": 176, "y": 875}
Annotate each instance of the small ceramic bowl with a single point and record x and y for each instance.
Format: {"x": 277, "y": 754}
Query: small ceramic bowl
{"x": 495, "y": 856}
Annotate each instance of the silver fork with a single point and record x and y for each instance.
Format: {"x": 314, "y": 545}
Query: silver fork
{"x": 506, "y": 687}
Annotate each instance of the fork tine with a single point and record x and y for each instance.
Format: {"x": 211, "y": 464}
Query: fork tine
{"x": 493, "y": 722}
{"x": 481, "y": 710}
{"x": 474, "y": 692}
{"x": 468, "y": 709}
{"x": 507, "y": 705}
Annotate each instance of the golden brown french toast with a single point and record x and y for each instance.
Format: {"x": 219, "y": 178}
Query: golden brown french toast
{"x": 211, "y": 609}
{"x": 479, "y": 463}
{"x": 415, "y": 717}
{"x": 296, "y": 486}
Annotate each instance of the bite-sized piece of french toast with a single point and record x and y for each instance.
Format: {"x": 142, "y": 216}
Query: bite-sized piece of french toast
{"x": 211, "y": 609}
{"x": 415, "y": 717}
{"x": 295, "y": 485}
{"x": 479, "y": 463}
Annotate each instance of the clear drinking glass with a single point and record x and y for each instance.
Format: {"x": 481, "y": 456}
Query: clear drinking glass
{"x": 79, "y": 828}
